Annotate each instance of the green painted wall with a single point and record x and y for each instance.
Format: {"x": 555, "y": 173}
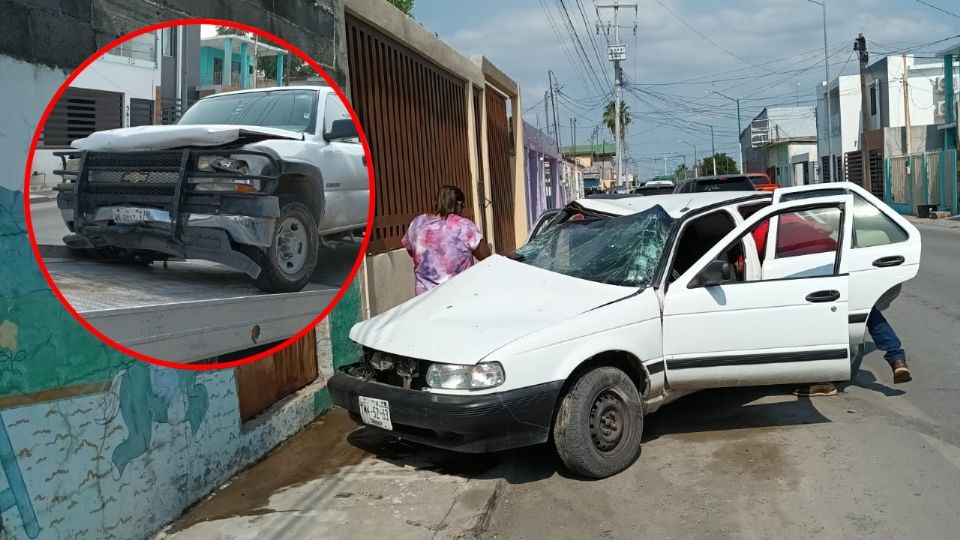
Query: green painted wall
{"x": 342, "y": 318}
{"x": 41, "y": 346}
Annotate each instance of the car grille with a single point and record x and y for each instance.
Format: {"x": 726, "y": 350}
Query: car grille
{"x": 374, "y": 367}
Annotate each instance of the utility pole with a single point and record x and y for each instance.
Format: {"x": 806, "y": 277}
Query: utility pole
{"x": 554, "y": 117}
{"x": 546, "y": 111}
{"x": 573, "y": 134}
{"x": 906, "y": 102}
{"x": 713, "y": 148}
{"x": 618, "y": 53}
{"x": 826, "y": 68}
{"x": 739, "y": 129}
{"x": 860, "y": 45}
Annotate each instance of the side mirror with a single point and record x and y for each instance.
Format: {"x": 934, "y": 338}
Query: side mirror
{"x": 341, "y": 129}
{"x": 717, "y": 272}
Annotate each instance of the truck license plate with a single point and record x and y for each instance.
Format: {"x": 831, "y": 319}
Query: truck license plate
{"x": 375, "y": 412}
{"x": 129, "y": 216}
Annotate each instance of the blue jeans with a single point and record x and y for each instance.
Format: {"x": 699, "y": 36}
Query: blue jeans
{"x": 884, "y": 337}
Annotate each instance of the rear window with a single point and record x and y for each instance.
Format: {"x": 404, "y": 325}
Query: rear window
{"x": 758, "y": 180}
{"x": 724, "y": 184}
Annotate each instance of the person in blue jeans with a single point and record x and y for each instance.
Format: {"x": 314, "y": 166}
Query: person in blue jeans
{"x": 887, "y": 341}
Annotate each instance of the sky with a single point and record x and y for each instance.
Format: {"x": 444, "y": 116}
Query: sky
{"x": 765, "y": 52}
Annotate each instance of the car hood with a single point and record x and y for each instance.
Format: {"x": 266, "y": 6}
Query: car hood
{"x": 176, "y": 136}
{"x": 496, "y": 302}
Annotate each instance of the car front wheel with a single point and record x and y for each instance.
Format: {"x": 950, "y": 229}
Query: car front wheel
{"x": 599, "y": 424}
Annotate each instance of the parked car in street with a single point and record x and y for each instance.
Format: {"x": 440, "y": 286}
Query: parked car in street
{"x": 762, "y": 181}
{"x": 648, "y": 190}
{"x": 617, "y": 307}
{"x": 715, "y": 183}
{"x": 253, "y": 179}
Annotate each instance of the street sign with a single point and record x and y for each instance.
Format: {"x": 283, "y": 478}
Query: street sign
{"x": 617, "y": 52}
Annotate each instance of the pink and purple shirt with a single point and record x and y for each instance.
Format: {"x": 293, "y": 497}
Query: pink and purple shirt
{"x": 441, "y": 248}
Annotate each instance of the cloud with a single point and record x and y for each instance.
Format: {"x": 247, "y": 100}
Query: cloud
{"x": 782, "y": 38}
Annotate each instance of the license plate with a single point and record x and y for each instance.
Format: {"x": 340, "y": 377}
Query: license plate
{"x": 375, "y": 412}
{"x": 129, "y": 216}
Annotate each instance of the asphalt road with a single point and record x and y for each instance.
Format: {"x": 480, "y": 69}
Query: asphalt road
{"x": 877, "y": 460}
{"x": 48, "y": 226}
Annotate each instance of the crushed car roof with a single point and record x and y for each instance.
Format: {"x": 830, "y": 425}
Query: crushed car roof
{"x": 675, "y": 204}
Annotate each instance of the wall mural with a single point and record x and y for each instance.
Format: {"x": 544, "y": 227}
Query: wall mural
{"x": 144, "y": 394}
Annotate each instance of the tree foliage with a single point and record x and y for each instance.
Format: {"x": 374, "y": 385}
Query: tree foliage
{"x": 681, "y": 171}
{"x": 405, "y": 6}
{"x": 725, "y": 164}
{"x": 610, "y": 115}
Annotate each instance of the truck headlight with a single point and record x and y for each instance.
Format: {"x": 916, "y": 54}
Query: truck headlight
{"x": 457, "y": 377}
{"x": 241, "y": 185}
{"x": 72, "y": 165}
{"x": 222, "y": 164}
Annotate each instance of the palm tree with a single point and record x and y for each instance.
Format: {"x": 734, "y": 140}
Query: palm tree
{"x": 609, "y": 117}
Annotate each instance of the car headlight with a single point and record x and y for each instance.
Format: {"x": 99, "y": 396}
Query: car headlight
{"x": 222, "y": 164}
{"x": 457, "y": 377}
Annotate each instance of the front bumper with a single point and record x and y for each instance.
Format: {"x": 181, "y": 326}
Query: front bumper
{"x": 173, "y": 219}
{"x": 464, "y": 423}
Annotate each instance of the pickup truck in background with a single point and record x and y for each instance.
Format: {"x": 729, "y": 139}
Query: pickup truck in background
{"x": 254, "y": 179}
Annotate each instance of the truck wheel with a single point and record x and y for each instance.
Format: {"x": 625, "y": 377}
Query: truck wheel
{"x": 599, "y": 424}
{"x": 288, "y": 263}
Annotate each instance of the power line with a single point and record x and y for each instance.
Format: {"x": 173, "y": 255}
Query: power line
{"x": 940, "y": 9}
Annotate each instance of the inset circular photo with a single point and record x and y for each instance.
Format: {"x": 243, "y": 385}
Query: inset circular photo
{"x": 207, "y": 194}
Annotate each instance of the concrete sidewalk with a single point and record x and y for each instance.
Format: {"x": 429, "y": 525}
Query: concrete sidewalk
{"x": 334, "y": 481}
{"x": 952, "y": 222}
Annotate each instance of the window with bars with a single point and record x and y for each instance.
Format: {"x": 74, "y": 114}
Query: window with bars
{"x": 80, "y": 112}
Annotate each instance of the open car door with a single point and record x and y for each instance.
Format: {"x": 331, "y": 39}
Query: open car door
{"x": 885, "y": 249}
{"x": 726, "y": 326}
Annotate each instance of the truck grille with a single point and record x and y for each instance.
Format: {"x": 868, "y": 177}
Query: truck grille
{"x": 147, "y": 179}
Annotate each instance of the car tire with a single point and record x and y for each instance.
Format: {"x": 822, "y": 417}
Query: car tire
{"x": 289, "y": 262}
{"x": 599, "y": 424}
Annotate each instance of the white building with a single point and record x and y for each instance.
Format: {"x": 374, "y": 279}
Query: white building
{"x": 885, "y": 133}
{"x": 782, "y": 142}
{"x": 137, "y": 83}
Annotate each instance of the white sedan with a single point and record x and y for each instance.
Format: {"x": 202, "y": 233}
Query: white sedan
{"x": 618, "y": 306}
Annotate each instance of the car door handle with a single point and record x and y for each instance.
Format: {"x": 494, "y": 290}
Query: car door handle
{"x": 823, "y": 296}
{"x": 886, "y": 262}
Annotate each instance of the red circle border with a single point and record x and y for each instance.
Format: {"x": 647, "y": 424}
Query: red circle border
{"x": 343, "y": 288}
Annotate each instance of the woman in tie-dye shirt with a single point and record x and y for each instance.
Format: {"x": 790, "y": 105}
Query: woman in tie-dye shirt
{"x": 443, "y": 243}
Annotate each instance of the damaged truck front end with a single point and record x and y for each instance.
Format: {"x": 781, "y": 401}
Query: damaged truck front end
{"x": 212, "y": 204}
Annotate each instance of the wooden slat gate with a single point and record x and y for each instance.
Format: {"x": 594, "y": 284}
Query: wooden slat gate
{"x": 262, "y": 383}
{"x": 501, "y": 179}
{"x": 415, "y": 117}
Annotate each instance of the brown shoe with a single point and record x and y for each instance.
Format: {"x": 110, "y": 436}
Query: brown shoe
{"x": 816, "y": 390}
{"x": 901, "y": 373}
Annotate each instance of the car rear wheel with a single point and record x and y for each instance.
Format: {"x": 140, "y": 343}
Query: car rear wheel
{"x": 599, "y": 424}
{"x": 286, "y": 266}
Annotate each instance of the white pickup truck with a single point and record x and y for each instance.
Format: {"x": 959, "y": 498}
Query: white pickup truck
{"x": 618, "y": 306}
{"x": 253, "y": 179}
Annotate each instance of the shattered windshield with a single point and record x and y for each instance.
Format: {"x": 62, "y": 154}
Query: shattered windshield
{"x": 621, "y": 250}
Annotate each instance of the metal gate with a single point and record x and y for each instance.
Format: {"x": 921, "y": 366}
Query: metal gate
{"x": 501, "y": 179}
{"x": 415, "y": 118}
{"x": 921, "y": 179}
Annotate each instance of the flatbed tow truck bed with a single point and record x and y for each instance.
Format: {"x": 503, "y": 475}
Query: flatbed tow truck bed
{"x": 187, "y": 312}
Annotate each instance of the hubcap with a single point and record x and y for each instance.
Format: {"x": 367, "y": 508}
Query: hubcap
{"x": 292, "y": 245}
{"x": 608, "y": 420}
